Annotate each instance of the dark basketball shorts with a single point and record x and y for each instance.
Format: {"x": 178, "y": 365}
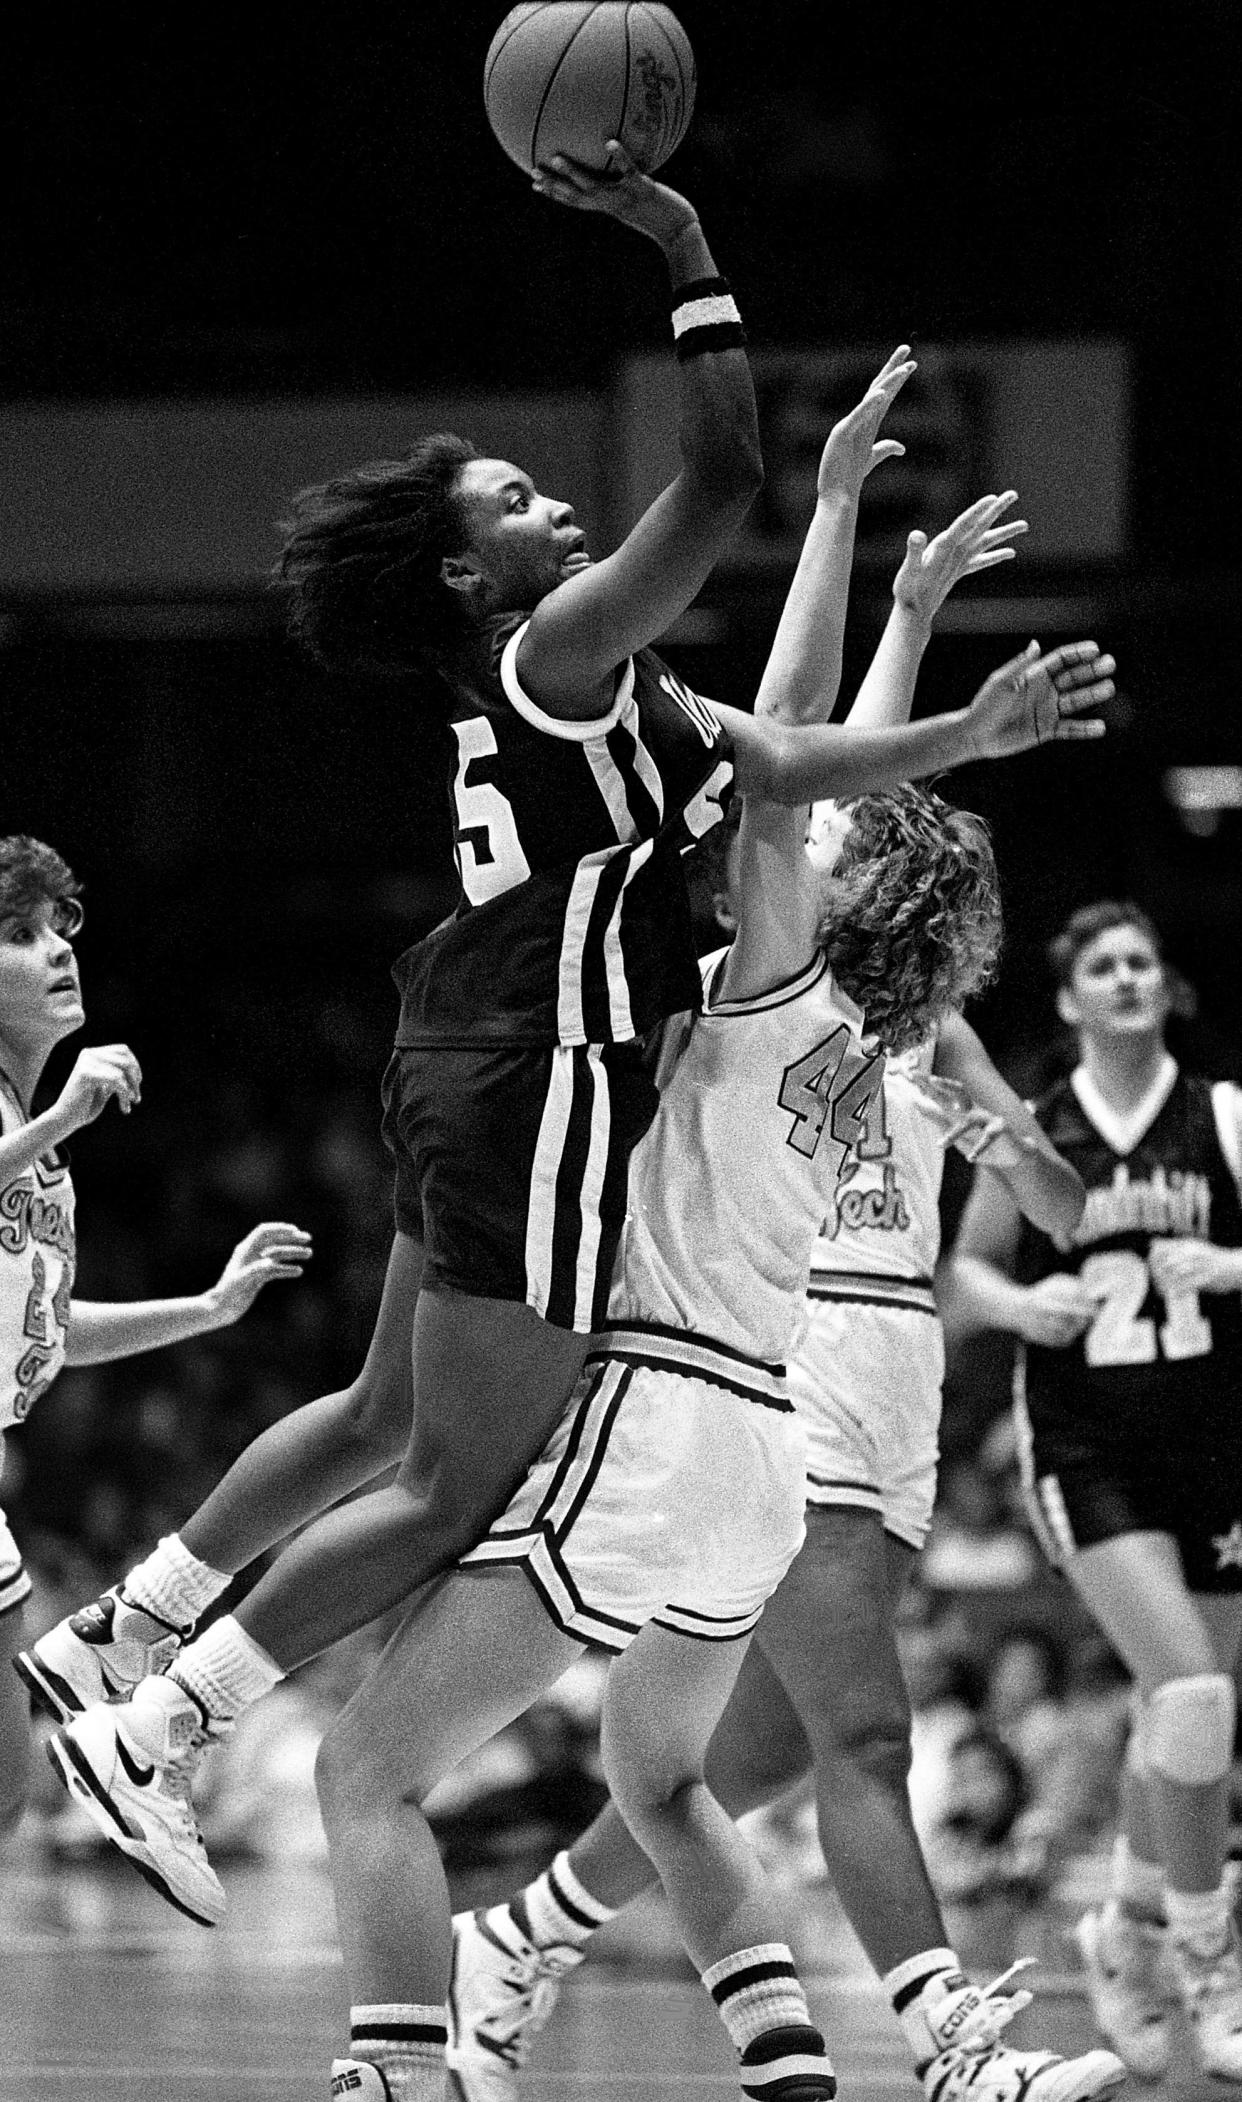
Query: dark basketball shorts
{"x": 1078, "y": 1495}
{"x": 512, "y": 1167}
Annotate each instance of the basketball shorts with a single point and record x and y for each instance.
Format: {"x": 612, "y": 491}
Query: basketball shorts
{"x": 661, "y": 1496}
{"x": 867, "y": 1384}
{"x": 1078, "y": 1495}
{"x": 512, "y": 1167}
{"x": 14, "y": 1576}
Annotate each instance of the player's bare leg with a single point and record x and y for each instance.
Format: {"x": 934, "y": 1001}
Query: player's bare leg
{"x": 1181, "y": 1649}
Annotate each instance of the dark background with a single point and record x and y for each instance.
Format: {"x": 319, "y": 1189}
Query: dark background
{"x": 317, "y": 208}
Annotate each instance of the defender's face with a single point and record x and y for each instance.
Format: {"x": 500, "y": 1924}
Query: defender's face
{"x": 826, "y": 833}
{"x": 524, "y": 544}
{"x": 40, "y": 999}
{"x": 1118, "y": 989}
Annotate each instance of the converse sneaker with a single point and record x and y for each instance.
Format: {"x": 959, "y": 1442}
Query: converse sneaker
{"x": 500, "y": 1996}
{"x": 98, "y": 1654}
{"x": 1211, "y": 1991}
{"x": 355, "y": 2081}
{"x": 132, "y": 1765}
{"x": 971, "y": 2063}
{"x": 1121, "y": 1958}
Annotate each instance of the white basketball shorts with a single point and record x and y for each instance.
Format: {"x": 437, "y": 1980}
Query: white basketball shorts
{"x": 662, "y": 1496}
{"x": 14, "y": 1577}
{"x": 867, "y": 1384}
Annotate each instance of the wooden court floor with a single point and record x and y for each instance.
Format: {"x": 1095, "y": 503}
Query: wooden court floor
{"x": 108, "y": 1996}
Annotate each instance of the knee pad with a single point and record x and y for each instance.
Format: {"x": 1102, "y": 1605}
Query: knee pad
{"x": 1189, "y": 1729}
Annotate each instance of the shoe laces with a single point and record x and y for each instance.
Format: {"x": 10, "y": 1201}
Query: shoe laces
{"x": 177, "y": 1777}
{"x": 512, "y": 2032}
{"x": 1214, "y": 1978}
{"x": 994, "y": 2012}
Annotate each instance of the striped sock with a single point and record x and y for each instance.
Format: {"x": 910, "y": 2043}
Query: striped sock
{"x": 556, "y": 1911}
{"x": 908, "y": 1983}
{"x": 763, "y": 2007}
{"x": 173, "y": 1584}
{"x": 406, "y": 2044}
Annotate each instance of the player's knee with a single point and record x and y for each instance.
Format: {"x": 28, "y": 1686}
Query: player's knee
{"x": 376, "y": 1412}
{"x": 1188, "y": 1728}
{"x": 744, "y": 1776}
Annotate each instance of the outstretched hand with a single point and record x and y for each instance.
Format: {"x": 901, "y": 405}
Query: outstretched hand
{"x": 1035, "y": 700}
{"x": 618, "y": 189}
{"x": 269, "y": 1251}
{"x": 975, "y": 540}
{"x": 852, "y": 449}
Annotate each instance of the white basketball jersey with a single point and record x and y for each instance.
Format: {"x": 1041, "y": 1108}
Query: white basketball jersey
{"x": 881, "y": 1236}
{"x": 36, "y": 1274}
{"x": 761, "y": 1102}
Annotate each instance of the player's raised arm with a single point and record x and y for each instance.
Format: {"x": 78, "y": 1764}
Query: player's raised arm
{"x": 581, "y": 632}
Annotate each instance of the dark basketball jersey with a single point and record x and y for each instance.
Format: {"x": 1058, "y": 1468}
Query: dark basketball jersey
{"x": 573, "y": 923}
{"x": 1152, "y": 1370}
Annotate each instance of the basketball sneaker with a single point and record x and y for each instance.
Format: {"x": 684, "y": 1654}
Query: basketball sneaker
{"x": 353, "y": 2080}
{"x": 132, "y": 1765}
{"x": 500, "y": 1996}
{"x": 98, "y": 1654}
{"x": 1122, "y": 1961}
{"x": 971, "y": 2064}
{"x": 1211, "y": 1993}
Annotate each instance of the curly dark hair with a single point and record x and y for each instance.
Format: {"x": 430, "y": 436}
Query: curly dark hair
{"x": 361, "y": 560}
{"x": 33, "y": 874}
{"x": 912, "y": 919}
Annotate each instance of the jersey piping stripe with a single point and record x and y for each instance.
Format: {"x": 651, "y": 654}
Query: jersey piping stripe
{"x": 1025, "y": 1443}
{"x": 591, "y": 968}
{"x": 572, "y": 729}
{"x": 695, "y": 1357}
{"x": 865, "y": 1288}
{"x": 732, "y": 1632}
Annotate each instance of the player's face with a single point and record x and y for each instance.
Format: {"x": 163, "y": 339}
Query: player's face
{"x": 524, "y": 544}
{"x": 1118, "y": 989}
{"x": 40, "y": 999}
{"x": 826, "y": 834}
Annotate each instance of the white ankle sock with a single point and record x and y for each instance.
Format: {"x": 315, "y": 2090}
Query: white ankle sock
{"x": 1199, "y": 1918}
{"x": 556, "y": 1910}
{"x": 911, "y": 1985}
{"x": 173, "y": 1584}
{"x": 407, "y": 2043}
{"x": 225, "y": 1670}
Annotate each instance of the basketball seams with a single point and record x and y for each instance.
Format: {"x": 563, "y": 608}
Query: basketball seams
{"x": 552, "y": 77}
{"x": 654, "y": 16}
{"x": 540, "y": 7}
{"x": 629, "y": 69}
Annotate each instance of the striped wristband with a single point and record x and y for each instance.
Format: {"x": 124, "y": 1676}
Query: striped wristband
{"x": 705, "y": 317}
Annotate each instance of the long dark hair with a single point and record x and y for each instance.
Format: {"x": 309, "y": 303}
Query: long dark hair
{"x": 361, "y": 561}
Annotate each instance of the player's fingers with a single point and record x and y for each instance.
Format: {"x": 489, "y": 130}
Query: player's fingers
{"x": 893, "y": 363}
{"x": 1089, "y": 726}
{"x": 1073, "y": 700}
{"x": 993, "y": 535}
{"x": 887, "y": 449}
{"x": 984, "y": 560}
{"x": 1074, "y": 676}
{"x": 1068, "y": 655}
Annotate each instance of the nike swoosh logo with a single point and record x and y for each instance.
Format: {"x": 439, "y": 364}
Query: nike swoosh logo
{"x": 141, "y": 1776}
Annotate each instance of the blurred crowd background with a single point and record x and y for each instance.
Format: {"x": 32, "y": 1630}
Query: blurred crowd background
{"x": 237, "y": 267}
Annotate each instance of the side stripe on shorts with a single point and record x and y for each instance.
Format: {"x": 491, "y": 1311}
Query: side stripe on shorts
{"x": 563, "y": 1226}
{"x": 1041, "y": 1494}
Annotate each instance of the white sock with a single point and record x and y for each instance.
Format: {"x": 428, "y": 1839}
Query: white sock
{"x": 407, "y": 2043}
{"x": 1137, "y": 1885}
{"x": 556, "y": 1911}
{"x": 225, "y": 1670}
{"x": 1199, "y": 1918}
{"x": 173, "y": 1584}
{"x": 915, "y": 1985}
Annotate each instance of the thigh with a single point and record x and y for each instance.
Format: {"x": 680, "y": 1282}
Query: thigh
{"x": 490, "y": 1383}
{"x": 665, "y": 1695}
{"x": 472, "y": 1654}
{"x": 829, "y": 1630}
{"x": 1135, "y": 1588}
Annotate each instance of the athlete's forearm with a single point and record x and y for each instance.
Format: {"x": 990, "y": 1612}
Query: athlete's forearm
{"x": 801, "y": 764}
{"x": 886, "y": 695}
{"x": 803, "y": 671}
{"x": 20, "y": 1149}
{"x": 1047, "y": 1190}
{"x": 983, "y": 1296}
{"x": 718, "y": 422}
{"x": 100, "y": 1331}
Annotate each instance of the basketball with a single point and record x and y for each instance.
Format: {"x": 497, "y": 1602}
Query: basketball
{"x": 565, "y": 76}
